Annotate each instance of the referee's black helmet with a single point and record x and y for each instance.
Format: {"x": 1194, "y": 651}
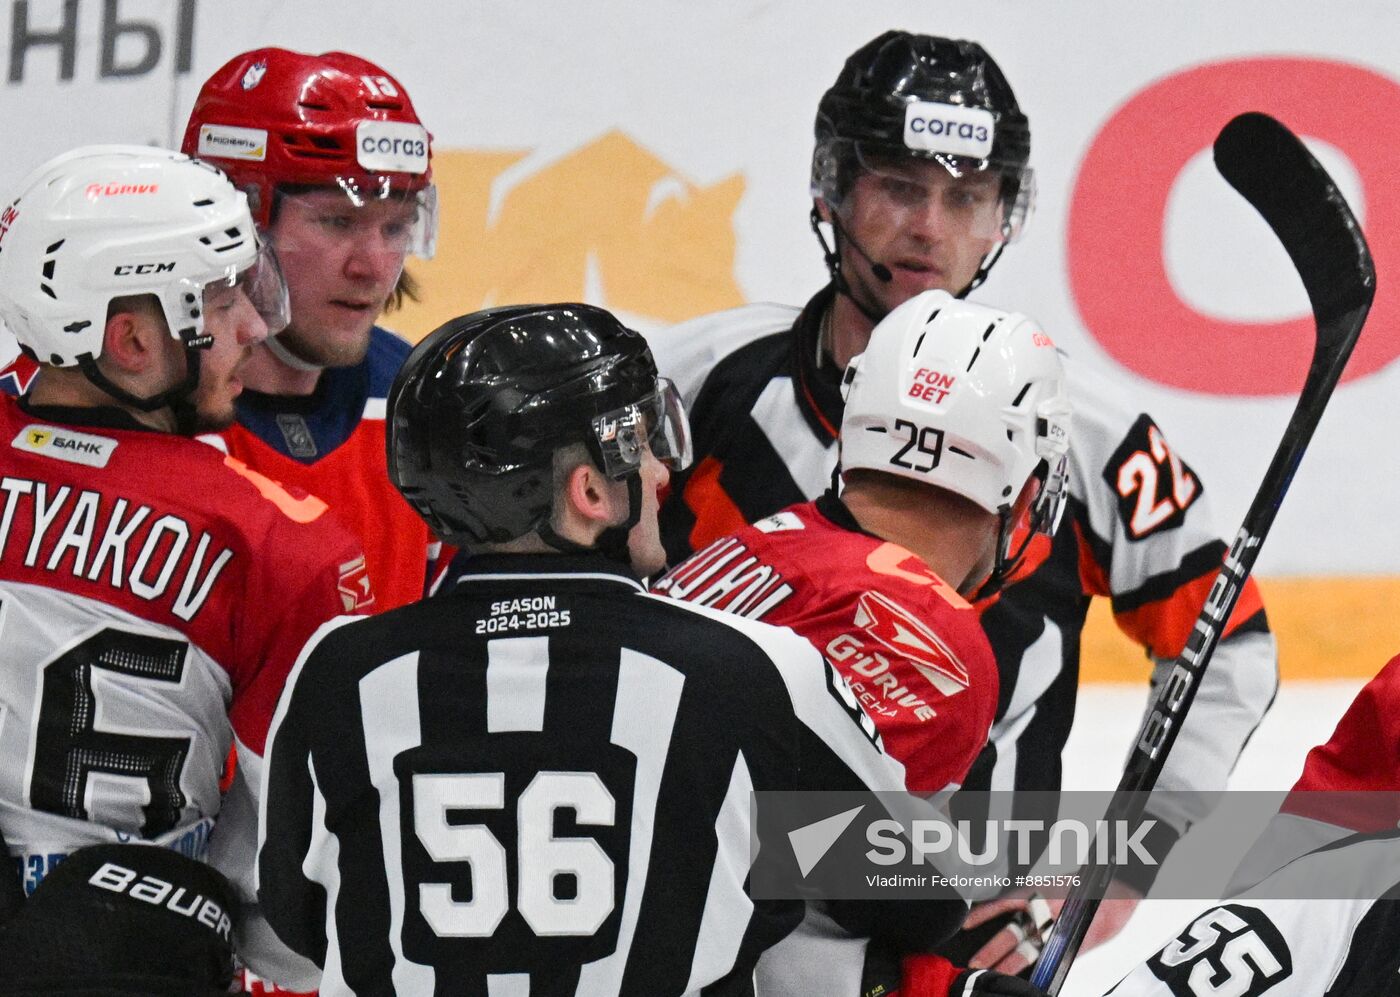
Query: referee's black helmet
{"x": 482, "y": 404}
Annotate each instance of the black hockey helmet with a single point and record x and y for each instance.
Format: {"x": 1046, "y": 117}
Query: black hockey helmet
{"x": 480, "y": 406}
{"x": 922, "y": 96}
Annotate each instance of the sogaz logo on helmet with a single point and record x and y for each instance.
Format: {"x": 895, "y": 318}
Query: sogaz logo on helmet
{"x": 949, "y": 128}
{"x": 397, "y": 146}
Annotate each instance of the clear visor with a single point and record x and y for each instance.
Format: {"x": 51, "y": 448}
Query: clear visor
{"x": 373, "y": 216}
{"x": 657, "y": 423}
{"x": 259, "y": 286}
{"x": 980, "y": 198}
{"x": 1041, "y": 504}
{"x": 1037, "y": 511}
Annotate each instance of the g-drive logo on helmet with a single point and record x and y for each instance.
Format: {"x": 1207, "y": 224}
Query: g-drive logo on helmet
{"x": 949, "y": 128}
{"x": 392, "y": 146}
{"x": 7, "y": 218}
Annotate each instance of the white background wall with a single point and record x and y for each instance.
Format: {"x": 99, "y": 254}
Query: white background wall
{"x": 721, "y": 89}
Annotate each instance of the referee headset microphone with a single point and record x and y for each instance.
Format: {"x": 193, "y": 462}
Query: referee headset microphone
{"x": 882, "y": 273}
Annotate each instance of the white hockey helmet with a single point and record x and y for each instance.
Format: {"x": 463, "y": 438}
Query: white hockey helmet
{"x": 102, "y": 222}
{"x": 965, "y": 397}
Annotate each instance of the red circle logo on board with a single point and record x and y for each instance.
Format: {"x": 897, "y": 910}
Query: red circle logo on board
{"x": 1118, "y": 210}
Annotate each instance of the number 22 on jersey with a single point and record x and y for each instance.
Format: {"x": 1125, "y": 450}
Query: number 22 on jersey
{"x": 1155, "y": 487}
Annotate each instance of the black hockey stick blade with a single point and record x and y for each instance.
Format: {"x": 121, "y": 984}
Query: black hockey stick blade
{"x": 1274, "y": 171}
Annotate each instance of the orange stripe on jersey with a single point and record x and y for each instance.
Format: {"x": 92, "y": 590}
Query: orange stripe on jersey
{"x": 1163, "y": 626}
{"x": 1091, "y": 573}
{"x": 816, "y": 410}
{"x": 299, "y": 510}
{"x": 716, "y": 515}
{"x": 886, "y": 560}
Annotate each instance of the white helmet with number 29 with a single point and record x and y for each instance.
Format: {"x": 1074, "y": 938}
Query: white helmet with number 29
{"x": 969, "y": 398}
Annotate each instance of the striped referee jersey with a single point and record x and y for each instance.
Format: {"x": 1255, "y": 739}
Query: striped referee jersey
{"x": 540, "y": 784}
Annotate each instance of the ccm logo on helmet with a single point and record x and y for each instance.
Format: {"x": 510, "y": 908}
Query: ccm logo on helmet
{"x": 128, "y": 269}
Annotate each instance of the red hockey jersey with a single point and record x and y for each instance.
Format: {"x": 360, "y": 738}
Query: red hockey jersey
{"x": 154, "y": 594}
{"x": 331, "y": 443}
{"x": 910, "y": 647}
{"x": 1349, "y": 785}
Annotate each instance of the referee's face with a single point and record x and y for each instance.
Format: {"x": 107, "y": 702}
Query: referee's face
{"x": 644, "y": 542}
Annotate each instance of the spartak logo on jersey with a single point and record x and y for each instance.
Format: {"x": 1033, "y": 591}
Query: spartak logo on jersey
{"x": 355, "y": 592}
{"x": 896, "y": 628}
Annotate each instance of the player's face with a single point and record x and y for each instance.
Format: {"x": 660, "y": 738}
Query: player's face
{"x": 341, "y": 263}
{"x": 929, "y": 228}
{"x": 236, "y": 327}
{"x": 644, "y": 542}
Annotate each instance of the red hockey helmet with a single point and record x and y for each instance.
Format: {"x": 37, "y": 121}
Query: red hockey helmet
{"x": 272, "y": 118}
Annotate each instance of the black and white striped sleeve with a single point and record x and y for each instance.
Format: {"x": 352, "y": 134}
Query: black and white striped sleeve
{"x": 291, "y": 810}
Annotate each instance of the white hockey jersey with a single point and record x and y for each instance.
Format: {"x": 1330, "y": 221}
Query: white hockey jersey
{"x": 153, "y": 597}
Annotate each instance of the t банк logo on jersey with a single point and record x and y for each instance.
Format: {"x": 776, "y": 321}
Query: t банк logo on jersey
{"x": 65, "y": 444}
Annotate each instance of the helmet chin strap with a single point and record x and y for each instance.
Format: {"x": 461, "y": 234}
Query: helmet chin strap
{"x": 832, "y": 255}
{"x": 178, "y": 399}
{"x": 1001, "y": 566}
{"x": 988, "y": 261}
{"x": 288, "y": 357}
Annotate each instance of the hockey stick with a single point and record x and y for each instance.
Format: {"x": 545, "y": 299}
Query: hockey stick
{"x": 1276, "y": 174}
